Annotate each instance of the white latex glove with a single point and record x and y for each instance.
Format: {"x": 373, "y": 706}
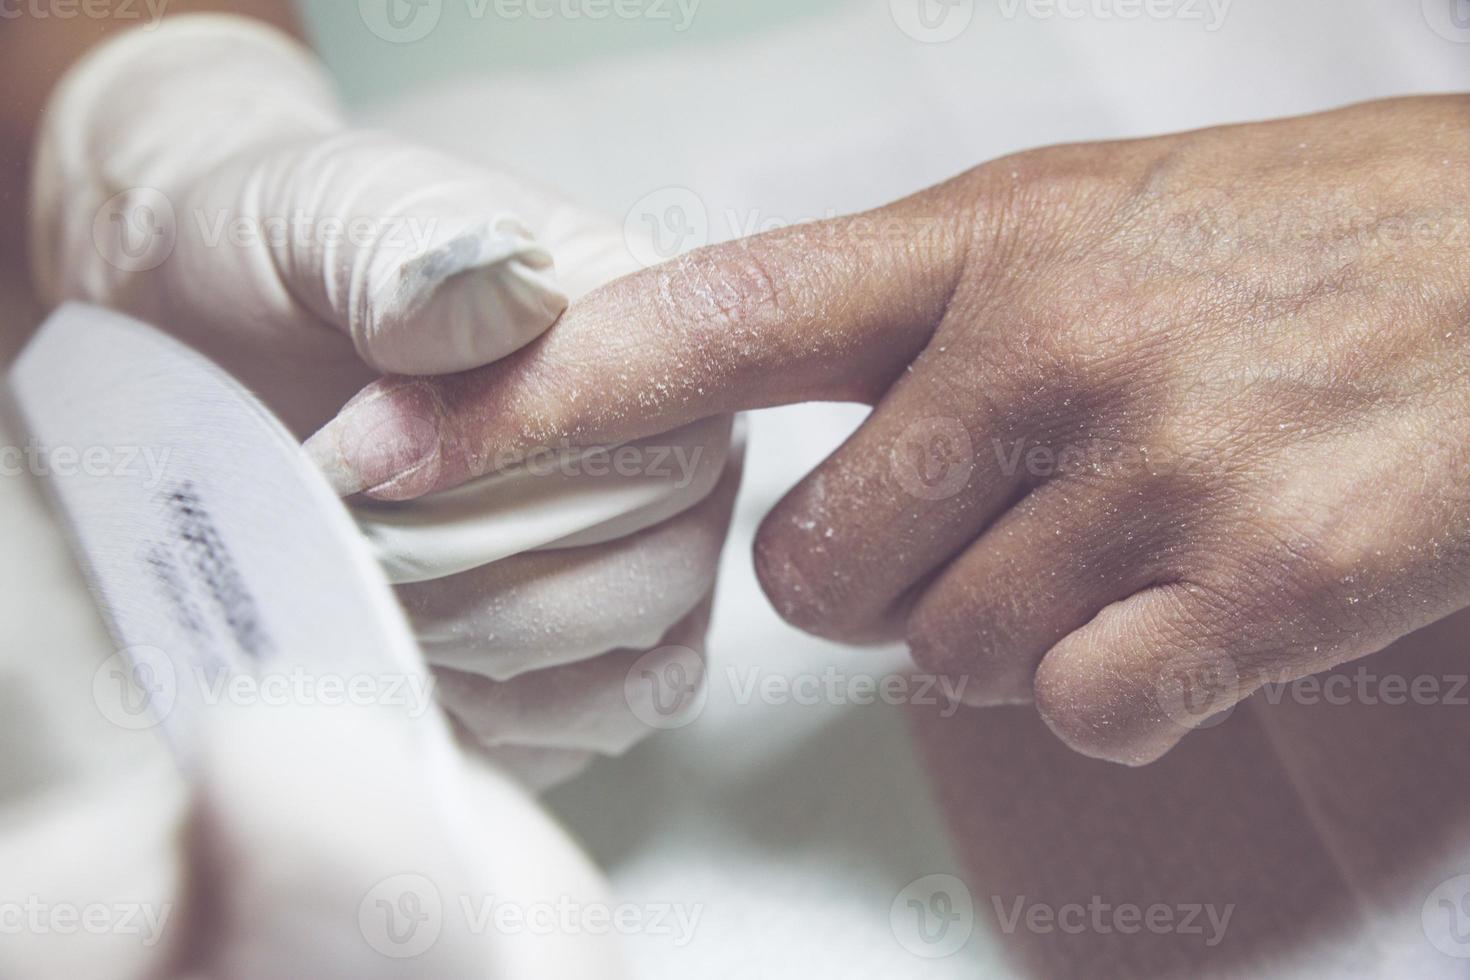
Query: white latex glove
{"x": 310, "y": 847}
{"x": 273, "y": 859}
{"x": 202, "y": 176}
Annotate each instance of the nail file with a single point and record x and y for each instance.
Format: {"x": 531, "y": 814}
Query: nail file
{"x": 226, "y": 569}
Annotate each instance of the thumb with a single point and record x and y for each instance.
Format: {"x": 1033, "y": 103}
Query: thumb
{"x": 828, "y": 311}
{"x": 427, "y": 262}
{"x": 202, "y": 176}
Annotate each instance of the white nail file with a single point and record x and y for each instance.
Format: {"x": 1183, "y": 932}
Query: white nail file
{"x": 226, "y": 569}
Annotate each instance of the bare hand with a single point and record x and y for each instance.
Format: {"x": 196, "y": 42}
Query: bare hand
{"x": 1145, "y": 412}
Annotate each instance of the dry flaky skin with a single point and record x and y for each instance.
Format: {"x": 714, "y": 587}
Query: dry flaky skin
{"x": 1150, "y": 415}
{"x": 453, "y": 271}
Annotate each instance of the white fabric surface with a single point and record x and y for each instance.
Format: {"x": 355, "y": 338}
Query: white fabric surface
{"x": 796, "y": 826}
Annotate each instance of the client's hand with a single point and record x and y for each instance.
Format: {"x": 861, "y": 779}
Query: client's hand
{"x": 201, "y": 176}
{"x": 1144, "y": 411}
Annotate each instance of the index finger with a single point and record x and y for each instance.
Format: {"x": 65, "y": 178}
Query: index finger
{"x": 829, "y": 311}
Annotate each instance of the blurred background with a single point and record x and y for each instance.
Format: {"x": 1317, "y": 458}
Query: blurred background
{"x": 811, "y": 831}
{"x": 465, "y": 40}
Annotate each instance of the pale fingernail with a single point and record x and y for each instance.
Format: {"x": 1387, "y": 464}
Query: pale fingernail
{"x": 384, "y": 442}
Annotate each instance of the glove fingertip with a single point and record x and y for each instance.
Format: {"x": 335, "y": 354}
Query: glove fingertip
{"x": 468, "y": 302}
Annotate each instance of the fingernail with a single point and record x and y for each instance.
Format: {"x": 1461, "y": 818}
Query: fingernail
{"x": 385, "y": 442}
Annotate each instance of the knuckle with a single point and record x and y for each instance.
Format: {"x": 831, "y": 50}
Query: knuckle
{"x": 1292, "y": 557}
{"x": 1212, "y": 622}
{"x": 1063, "y": 185}
{"x": 729, "y": 288}
{"x": 1177, "y": 465}
{"x": 1077, "y": 348}
{"x": 1201, "y": 610}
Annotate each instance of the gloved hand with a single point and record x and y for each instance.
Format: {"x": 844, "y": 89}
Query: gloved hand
{"x": 306, "y": 838}
{"x": 316, "y": 843}
{"x": 201, "y": 176}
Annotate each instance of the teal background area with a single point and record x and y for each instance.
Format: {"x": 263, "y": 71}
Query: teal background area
{"x": 471, "y": 36}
